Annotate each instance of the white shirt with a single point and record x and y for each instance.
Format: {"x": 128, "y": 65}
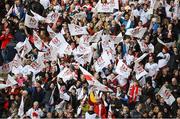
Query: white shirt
{"x": 144, "y": 17}
{"x": 151, "y": 68}
{"x": 31, "y": 111}
{"x": 164, "y": 56}
{"x": 136, "y": 12}
{"x": 129, "y": 58}
{"x": 90, "y": 116}
{"x": 164, "y": 61}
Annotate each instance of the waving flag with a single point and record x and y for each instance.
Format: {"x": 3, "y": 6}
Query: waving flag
{"x": 21, "y": 108}
{"x": 26, "y": 48}
{"x": 37, "y": 16}
{"x": 52, "y": 17}
{"x": 96, "y": 37}
{"x": 102, "y": 62}
{"x": 138, "y": 33}
{"x": 51, "y": 32}
{"x": 140, "y": 72}
{"x": 38, "y": 42}
{"x": 166, "y": 95}
{"x": 66, "y": 74}
{"x": 11, "y": 81}
{"x": 94, "y": 82}
{"x": 122, "y": 69}
{"x": 77, "y": 30}
{"x": 31, "y": 22}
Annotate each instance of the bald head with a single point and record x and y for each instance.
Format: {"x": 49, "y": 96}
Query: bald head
{"x": 24, "y": 93}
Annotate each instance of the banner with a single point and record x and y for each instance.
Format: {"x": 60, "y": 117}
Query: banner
{"x": 45, "y": 55}
{"x": 96, "y": 37}
{"x": 51, "y": 32}
{"x": 154, "y": 4}
{"x": 68, "y": 50}
{"x": 83, "y": 59}
{"x": 77, "y": 30}
{"x": 38, "y": 42}
{"x": 146, "y": 47}
{"x": 23, "y": 48}
{"x": 37, "y": 16}
{"x": 19, "y": 47}
{"x": 106, "y": 41}
{"x": 102, "y": 62}
{"x": 117, "y": 39}
{"x": 58, "y": 41}
{"x": 104, "y": 8}
{"x": 139, "y": 59}
{"x": 138, "y": 33}
{"x": 83, "y": 54}
{"x": 21, "y": 108}
{"x": 166, "y": 95}
{"x": 59, "y": 46}
{"x": 122, "y": 69}
{"x": 80, "y": 15}
{"x": 66, "y": 74}
{"x": 15, "y": 63}
{"x": 121, "y": 81}
{"x": 169, "y": 13}
{"x": 94, "y": 82}
{"x": 52, "y": 17}
{"x": 37, "y": 66}
{"x": 11, "y": 81}
{"x": 139, "y": 70}
{"x": 17, "y": 70}
{"x": 82, "y": 49}
{"x": 84, "y": 40}
{"x": 108, "y": 46}
{"x": 26, "y": 48}
{"x": 26, "y": 70}
{"x": 114, "y": 3}
{"x": 31, "y": 22}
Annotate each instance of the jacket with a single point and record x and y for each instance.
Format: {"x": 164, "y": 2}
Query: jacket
{"x": 5, "y": 40}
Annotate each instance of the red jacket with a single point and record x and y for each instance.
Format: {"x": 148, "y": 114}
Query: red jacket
{"x": 5, "y": 40}
{"x": 103, "y": 110}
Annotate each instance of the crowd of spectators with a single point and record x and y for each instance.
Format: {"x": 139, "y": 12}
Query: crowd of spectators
{"x": 37, "y": 92}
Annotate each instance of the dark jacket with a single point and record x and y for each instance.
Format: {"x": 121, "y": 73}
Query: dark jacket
{"x": 35, "y": 95}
